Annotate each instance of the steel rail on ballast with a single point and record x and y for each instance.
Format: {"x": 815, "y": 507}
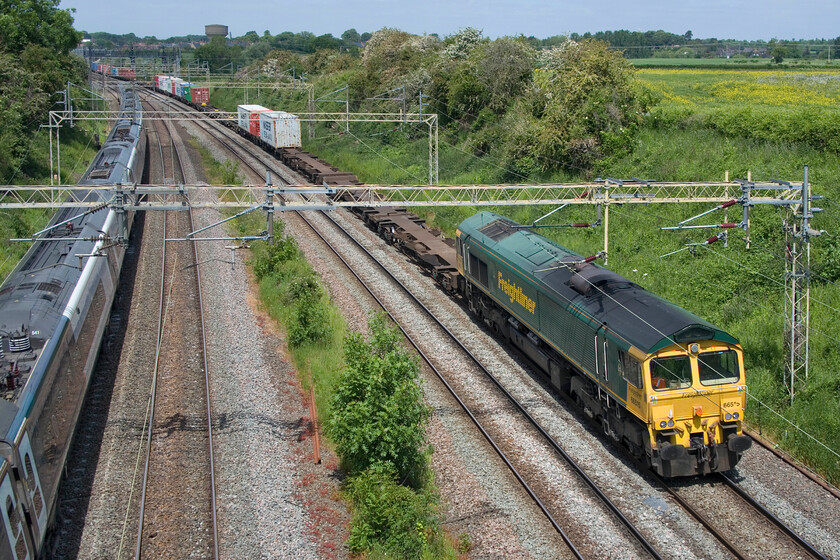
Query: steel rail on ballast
{"x": 161, "y": 322}
{"x": 153, "y": 397}
{"x": 797, "y": 539}
{"x": 633, "y": 530}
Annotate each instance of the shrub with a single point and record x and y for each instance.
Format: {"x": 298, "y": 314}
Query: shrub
{"x": 388, "y": 516}
{"x": 379, "y": 414}
{"x": 309, "y": 318}
{"x": 283, "y": 250}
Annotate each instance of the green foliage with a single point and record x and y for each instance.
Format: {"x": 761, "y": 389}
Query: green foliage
{"x": 815, "y": 126}
{"x": 35, "y": 37}
{"x": 378, "y": 409}
{"x": 389, "y": 517}
{"x": 584, "y": 105}
{"x": 283, "y": 250}
{"x": 218, "y": 54}
{"x": 308, "y": 322}
{"x": 24, "y": 23}
{"x": 309, "y": 315}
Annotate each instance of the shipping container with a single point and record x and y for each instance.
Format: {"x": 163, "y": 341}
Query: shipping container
{"x": 175, "y": 81}
{"x": 182, "y": 90}
{"x": 94, "y": 66}
{"x": 200, "y": 95}
{"x": 280, "y": 129}
{"x": 249, "y": 117}
{"x": 157, "y": 80}
{"x": 166, "y": 83}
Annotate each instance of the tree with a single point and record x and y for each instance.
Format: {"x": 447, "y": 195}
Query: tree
{"x": 35, "y": 39}
{"x": 36, "y": 22}
{"x": 378, "y": 413}
{"x": 218, "y": 54}
{"x": 583, "y": 105}
{"x": 351, "y": 36}
{"x": 504, "y": 68}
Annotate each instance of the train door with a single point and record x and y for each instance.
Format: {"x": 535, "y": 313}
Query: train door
{"x": 32, "y": 486}
{"x": 15, "y": 540}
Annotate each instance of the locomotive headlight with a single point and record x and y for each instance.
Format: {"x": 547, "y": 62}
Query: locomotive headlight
{"x": 663, "y": 424}
{"x": 671, "y": 423}
{"x": 735, "y": 415}
{"x": 728, "y": 417}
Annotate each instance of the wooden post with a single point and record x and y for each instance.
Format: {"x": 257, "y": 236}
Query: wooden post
{"x": 313, "y": 414}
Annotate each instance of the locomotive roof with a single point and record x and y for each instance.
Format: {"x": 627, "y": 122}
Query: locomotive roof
{"x": 642, "y": 318}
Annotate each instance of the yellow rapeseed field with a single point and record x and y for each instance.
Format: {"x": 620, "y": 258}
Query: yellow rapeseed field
{"x": 782, "y": 88}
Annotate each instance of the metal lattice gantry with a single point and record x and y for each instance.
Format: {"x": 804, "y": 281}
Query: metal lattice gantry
{"x": 798, "y": 234}
{"x": 599, "y": 193}
{"x": 57, "y": 118}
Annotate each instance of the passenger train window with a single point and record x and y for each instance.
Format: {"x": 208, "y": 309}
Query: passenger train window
{"x": 30, "y": 475}
{"x": 12, "y": 513}
{"x": 717, "y": 368}
{"x": 631, "y": 370}
{"x": 670, "y": 373}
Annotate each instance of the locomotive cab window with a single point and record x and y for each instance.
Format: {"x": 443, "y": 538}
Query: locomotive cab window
{"x": 717, "y": 368}
{"x": 631, "y": 370}
{"x": 670, "y": 373}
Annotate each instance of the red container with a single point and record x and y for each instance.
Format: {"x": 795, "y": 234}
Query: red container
{"x": 200, "y": 95}
{"x": 127, "y": 73}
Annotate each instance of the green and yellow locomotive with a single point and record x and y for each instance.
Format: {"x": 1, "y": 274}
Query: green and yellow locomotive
{"x": 662, "y": 381}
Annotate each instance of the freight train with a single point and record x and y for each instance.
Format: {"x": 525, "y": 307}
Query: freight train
{"x": 660, "y": 380}
{"x": 276, "y": 132}
{"x": 664, "y": 383}
{"x": 54, "y": 308}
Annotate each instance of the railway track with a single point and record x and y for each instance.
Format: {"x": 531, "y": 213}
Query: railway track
{"x": 730, "y": 529}
{"x": 177, "y": 510}
{"x": 726, "y": 541}
{"x": 500, "y": 443}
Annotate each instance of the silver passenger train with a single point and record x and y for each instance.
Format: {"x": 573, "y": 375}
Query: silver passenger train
{"x": 54, "y": 308}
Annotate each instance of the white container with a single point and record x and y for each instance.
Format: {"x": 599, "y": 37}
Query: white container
{"x": 249, "y": 118}
{"x": 174, "y": 82}
{"x": 280, "y": 129}
{"x": 165, "y": 83}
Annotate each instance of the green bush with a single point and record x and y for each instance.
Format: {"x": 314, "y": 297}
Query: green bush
{"x": 378, "y": 409}
{"x": 309, "y": 318}
{"x": 283, "y": 250}
{"x": 389, "y": 517}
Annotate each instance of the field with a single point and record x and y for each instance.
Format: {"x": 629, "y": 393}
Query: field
{"x": 738, "y": 63}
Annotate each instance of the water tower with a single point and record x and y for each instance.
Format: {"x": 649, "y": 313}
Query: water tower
{"x": 215, "y": 30}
